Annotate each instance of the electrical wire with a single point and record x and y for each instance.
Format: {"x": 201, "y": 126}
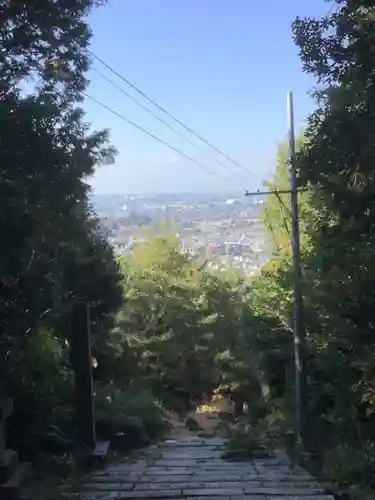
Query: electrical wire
{"x": 331, "y": 9}
{"x": 270, "y": 228}
{"x": 148, "y": 110}
{"x": 282, "y": 207}
{"x": 155, "y": 137}
{"x": 170, "y": 115}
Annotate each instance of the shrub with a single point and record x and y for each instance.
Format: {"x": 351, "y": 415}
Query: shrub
{"x": 42, "y": 390}
{"x": 247, "y": 444}
{"x": 128, "y": 417}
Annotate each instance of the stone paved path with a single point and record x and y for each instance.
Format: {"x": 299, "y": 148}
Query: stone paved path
{"x": 193, "y": 468}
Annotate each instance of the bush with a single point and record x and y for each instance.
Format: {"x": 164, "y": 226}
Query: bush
{"x": 128, "y": 417}
{"x": 42, "y": 387}
{"x": 247, "y": 444}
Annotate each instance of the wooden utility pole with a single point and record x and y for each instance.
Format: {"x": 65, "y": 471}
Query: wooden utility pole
{"x": 298, "y": 319}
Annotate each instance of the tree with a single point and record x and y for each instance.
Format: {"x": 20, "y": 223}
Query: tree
{"x": 46, "y": 40}
{"x": 336, "y": 165}
{"x": 177, "y": 322}
{"x": 276, "y": 212}
{"x": 53, "y": 253}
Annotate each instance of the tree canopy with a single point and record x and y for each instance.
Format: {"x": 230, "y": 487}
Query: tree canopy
{"x": 52, "y": 253}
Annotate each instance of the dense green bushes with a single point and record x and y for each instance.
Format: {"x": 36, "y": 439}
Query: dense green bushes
{"x": 42, "y": 387}
{"x": 128, "y": 417}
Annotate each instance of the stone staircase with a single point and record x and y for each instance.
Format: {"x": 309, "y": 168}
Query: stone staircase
{"x": 196, "y": 469}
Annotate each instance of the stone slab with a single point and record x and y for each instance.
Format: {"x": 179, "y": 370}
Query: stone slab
{"x": 282, "y": 478}
{"x": 114, "y": 477}
{"x": 167, "y": 486}
{"x": 148, "y": 494}
{"x": 147, "y": 478}
{"x": 168, "y": 471}
{"x": 292, "y": 484}
{"x": 109, "y": 479}
{"x": 212, "y": 492}
{"x": 176, "y": 463}
{"x": 100, "y": 495}
{"x": 192, "y": 455}
{"x": 190, "y": 485}
{"x": 265, "y": 490}
{"x": 189, "y": 445}
{"x": 105, "y": 486}
{"x": 219, "y": 477}
{"x": 302, "y": 497}
{"x": 227, "y": 467}
{"x": 232, "y": 497}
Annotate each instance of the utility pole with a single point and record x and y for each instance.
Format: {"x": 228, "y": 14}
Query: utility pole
{"x": 298, "y": 325}
{"x": 298, "y": 319}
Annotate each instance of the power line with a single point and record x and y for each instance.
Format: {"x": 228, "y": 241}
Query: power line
{"x": 148, "y": 110}
{"x": 163, "y": 110}
{"x": 331, "y": 9}
{"x": 275, "y": 192}
{"x": 282, "y": 206}
{"x": 270, "y": 228}
{"x": 263, "y": 193}
{"x": 143, "y": 107}
{"x": 150, "y": 134}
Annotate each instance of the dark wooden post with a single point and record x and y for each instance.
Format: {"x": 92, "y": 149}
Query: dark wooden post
{"x": 13, "y": 474}
{"x": 82, "y": 365}
{"x": 6, "y": 408}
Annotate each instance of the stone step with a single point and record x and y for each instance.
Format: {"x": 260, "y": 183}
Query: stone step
{"x": 11, "y": 489}
{"x": 8, "y": 464}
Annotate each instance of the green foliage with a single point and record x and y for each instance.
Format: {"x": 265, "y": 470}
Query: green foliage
{"x": 43, "y": 385}
{"x": 336, "y": 165}
{"x": 128, "y": 417}
{"x": 176, "y": 323}
{"x": 247, "y": 444}
{"x": 53, "y": 253}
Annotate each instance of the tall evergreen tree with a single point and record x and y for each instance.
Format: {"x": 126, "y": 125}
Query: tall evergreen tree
{"x": 52, "y": 252}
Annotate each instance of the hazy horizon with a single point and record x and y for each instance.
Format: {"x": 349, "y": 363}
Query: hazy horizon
{"x": 170, "y": 193}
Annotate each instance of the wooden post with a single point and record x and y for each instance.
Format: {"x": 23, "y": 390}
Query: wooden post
{"x": 13, "y": 474}
{"x": 6, "y": 409}
{"x": 82, "y": 364}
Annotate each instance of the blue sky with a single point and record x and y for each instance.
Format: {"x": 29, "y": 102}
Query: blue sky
{"x": 223, "y": 67}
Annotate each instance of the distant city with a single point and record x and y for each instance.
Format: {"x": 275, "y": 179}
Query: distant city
{"x": 224, "y": 231}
